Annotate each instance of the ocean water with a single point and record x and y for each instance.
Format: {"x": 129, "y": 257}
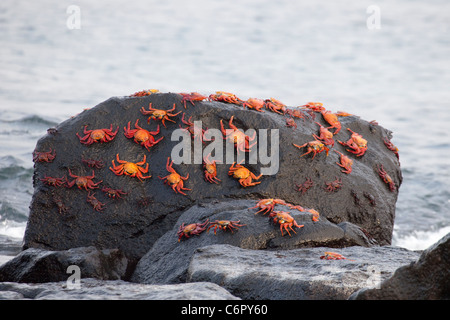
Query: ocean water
{"x": 295, "y": 51}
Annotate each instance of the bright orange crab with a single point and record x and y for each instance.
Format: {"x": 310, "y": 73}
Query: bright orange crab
{"x": 333, "y": 256}
{"x": 191, "y": 97}
{"x": 45, "y": 156}
{"x": 254, "y": 103}
{"x": 332, "y": 119}
{"x": 315, "y": 106}
{"x": 130, "y": 168}
{"x": 275, "y": 105}
{"x": 210, "y": 170}
{"x": 244, "y": 175}
{"x": 83, "y": 181}
{"x": 346, "y": 163}
{"x": 267, "y": 205}
{"x": 315, "y": 147}
{"x": 144, "y": 93}
{"x": 191, "y": 229}
{"x": 223, "y": 96}
{"x": 325, "y": 135}
{"x": 159, "y": 114}
{"x": 386, "y": 178}
{"x": 225, "y": 225}
{"x": 196, "y": 132}
{"x": 174, "y": 180}
{"x": 285, "y": 220}
{"x": 97, "y": 135}
{"x": 234, "y": 135}
{"x": 356, "y": 143}
{"x": 141, "y": 136}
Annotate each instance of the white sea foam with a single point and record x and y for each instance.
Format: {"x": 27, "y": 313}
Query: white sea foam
{"x": 420, "y": 240}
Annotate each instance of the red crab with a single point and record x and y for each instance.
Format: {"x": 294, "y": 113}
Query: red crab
{"x": 275, "y": 105}
{"x": 333, "y": 185}
{"x": 130, "y": 168}
{"x": 159, "y": 114}
{"x": 227, "y": 97}
{"x": 305, "y": 185}
{"x": 285, "y": 220}
{"x": 234, "y": 135}
{"x": 391, "y": 147}
{"x": 83, "y": 181}
{"x": 296, "y": 113}
{"x": 210, "y": 170}
{"x": 325, "y": 135}
{"x": 267, "y": 205}
{"x": 244, "y": 175}
{"x": 356, "y": 143}
{"x": 290, "y": 122}
{"x": 315, "y": 214}
{"x": 59, "y": 204}
{"x": 113, "y": 193}
{"x": 315, "y": 147}
{"x": 191, "y": 97}
{"x": 225, "y": 225}
{"x": 386, "y": 178}
{"x": 45, "y": 156}
{"x": 51, "y": 181}
{"x": 346, "y": 163}
{"x": 333, "y": 256}
{"x": 141, "y": 136}
{"x": 144, "y": 93}
{"x": 315, "y": 106}
{"x": 191, "y": 229}
{"x": 93, "y": 163}
{"x": 332, "y": 119}
{"x": 174, "y": 180}
{"x": 254, "y": 103}
{"x": 97, "y": 135}
{"x": 195, "y": 131}
{"x": 98, "y": 206}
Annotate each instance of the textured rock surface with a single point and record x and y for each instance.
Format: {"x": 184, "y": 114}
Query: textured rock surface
{"x": 93, "y": 289}
{"x": 426, "y": 278}
{"x": 38, "y": 265}
{"x": 168, "y": 260}
{"x": 150, "y": 208}
{"x": 297, "y": 274}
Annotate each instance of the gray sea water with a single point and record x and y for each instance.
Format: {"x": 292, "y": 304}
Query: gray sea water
{"x": 59, "y": 57}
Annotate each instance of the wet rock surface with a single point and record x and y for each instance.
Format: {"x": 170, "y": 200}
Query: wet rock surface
{"x": 62, "y": 218}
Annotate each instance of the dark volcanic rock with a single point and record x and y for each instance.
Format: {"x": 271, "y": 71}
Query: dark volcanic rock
{"x": 38, "y": 265}
{"x": 149, "y": 209}
{"x": 297, "y": 274}
{"x": 168, "y": 260}
{"x": 426, "y": 278}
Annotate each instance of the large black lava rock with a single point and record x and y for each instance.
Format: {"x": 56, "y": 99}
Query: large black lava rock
{"x": 62, "y": 218}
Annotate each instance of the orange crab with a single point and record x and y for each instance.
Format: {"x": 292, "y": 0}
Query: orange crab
{"x": 346, "y": 163}
{"x": 191, "y": 229}
{"x": 141, "y": 136}
{"x": 325, "y": 135}
{"x": 191, "y": 97}
{"x": 356, "y": 143}
{"x": 391, "y": 147}
{"x": 275, "y": 105}
{"x": 197, "y": 133}
{"x": 315, "y": 147}
{"x": 225, "y": 225}
{"x": 386, "y": 178}
{"x": 234, "y": 135}
{"x": 223, "y": 96}
{"x": 130, "y": 168}
{"x": 315, "y": 214}
{"x": 144, "y": 93}
{"x": 174, "y": 180}
{"x": 254, "y": 103}
{"x": 315, "y": 106}
{"x": 45, "y": 156}
{"x": 210, "y": 170}
{"x": 244, "y": 175}
{"x": 267, "y": 205}
{"x": 83, "y": 181}
{"x": 333, "y": 256}
{"x": 285, "y": 220}
{"x": 332, "y": 119}
{"x": 159, "y": 114}
{"x": 97, "y": 135}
